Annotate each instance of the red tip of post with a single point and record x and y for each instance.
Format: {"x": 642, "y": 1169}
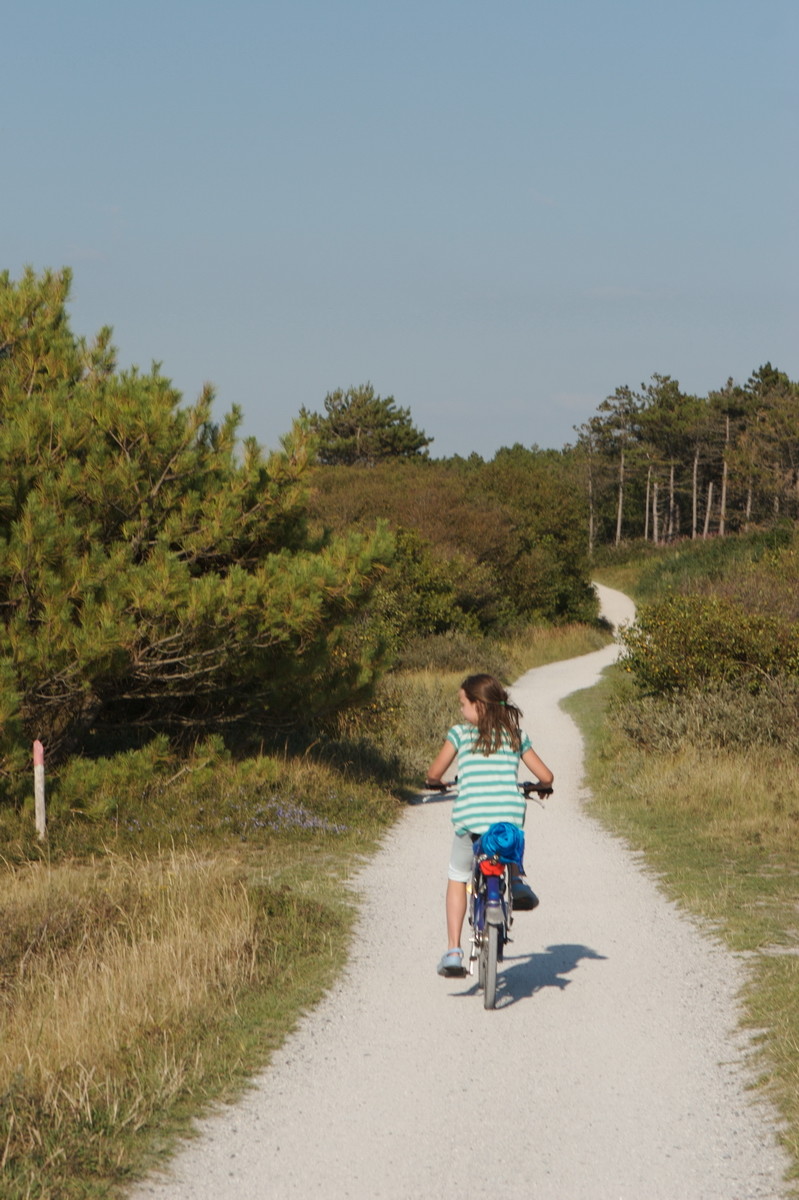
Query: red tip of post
{"x": 38, "y": 754}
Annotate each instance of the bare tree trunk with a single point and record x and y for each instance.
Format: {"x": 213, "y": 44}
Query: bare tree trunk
{"x": 646, "y": 506}
{"x": 708, "y": 508}
{"x": 620, "y": 504}
{"x": 655, "y": 512}
{"x": 748, "y": 515}
{"x": 670, "y": 534}
{"x": 590, "y": 507}
{"x": 695, "y": 494}
{"x": 723, "y": 505}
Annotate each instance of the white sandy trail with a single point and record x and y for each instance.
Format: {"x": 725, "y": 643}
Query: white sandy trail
{"x": 609, "y": 1071}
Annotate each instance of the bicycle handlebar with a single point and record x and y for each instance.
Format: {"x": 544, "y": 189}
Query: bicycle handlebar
{"x": 540, "y": 789}
{"x": 528, "y": 787}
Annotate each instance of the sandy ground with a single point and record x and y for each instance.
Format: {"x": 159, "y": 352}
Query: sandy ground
{"x": 610, "y": 1069}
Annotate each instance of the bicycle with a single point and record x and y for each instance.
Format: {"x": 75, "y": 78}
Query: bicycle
{"x": 490, "y": 893}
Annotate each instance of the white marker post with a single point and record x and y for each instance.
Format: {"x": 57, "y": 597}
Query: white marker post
{"x": 38, "y": 789}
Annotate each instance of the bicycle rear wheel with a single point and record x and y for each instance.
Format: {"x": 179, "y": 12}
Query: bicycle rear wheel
{"x": 488, "y": 964}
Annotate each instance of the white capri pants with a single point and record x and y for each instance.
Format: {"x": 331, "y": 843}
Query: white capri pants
{"x": 460, "y": 858}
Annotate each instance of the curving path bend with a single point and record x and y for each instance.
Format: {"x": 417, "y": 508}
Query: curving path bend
{"x": 610, "y": 1070}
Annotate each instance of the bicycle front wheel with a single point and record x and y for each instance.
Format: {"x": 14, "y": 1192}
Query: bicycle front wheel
{"x": 491, "y": 952}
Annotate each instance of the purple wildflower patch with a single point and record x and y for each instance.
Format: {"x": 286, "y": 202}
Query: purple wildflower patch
{"x": 294, "y": 816}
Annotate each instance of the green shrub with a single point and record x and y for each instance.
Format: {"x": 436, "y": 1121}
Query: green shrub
{"x": 95, "y": 787}
{"x": 496, "y": 541}
{"x": 687, "y": 642}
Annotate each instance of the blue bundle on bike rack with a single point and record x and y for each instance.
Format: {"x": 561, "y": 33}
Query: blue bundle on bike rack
{"x": 504, "y": 841}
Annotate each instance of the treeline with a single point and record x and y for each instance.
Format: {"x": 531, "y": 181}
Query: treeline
{"x": 657, "y": 465}
{"x": 660, "y": 464}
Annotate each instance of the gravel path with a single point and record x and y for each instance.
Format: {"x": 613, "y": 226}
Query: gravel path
{"x": 609, "y": 1071}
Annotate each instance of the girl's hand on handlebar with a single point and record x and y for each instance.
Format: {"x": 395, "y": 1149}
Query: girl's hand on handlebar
{"x": 541, "y": 789}
{"x": 440, "y": 786}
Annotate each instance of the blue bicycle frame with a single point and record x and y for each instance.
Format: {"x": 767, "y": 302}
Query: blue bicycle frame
{"x": 490, "y": 917}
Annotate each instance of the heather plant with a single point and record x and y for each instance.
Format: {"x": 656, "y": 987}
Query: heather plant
{"x": 143, "y": 800}
{"x": 723, "y": 717}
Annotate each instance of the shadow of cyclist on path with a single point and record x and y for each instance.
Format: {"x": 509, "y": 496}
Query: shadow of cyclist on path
{"x": 521, "y": 976}
{"x": 524, "y": 975}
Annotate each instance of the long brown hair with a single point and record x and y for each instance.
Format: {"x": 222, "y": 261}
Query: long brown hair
{"x": 497, "y": 717}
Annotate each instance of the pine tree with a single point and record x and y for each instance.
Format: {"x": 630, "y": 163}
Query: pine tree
{"x": 360, "y": 428}
{"x": 154, "y": 572}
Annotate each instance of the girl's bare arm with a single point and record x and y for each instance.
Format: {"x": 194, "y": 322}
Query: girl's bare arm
{"x": 538, "y": 767}
{"x": 444, "y": 759}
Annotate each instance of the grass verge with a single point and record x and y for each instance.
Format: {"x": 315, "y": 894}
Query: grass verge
{"x": 138, "y": 985}
{"x": 721, "y": 830}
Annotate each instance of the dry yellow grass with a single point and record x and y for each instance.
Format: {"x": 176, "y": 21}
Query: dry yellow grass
{"x": 135, "y": 989}
{"x": 180, "y": 931}
{"x": 734, "y": 800}
{"x": 541, "y": 645}
{"x": 118, "y": 959}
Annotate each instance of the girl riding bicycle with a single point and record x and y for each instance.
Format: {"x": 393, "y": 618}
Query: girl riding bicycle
{"x": 489, "y": 744}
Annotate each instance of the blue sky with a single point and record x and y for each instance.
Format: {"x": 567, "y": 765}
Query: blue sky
{"x": 495, "y": 212}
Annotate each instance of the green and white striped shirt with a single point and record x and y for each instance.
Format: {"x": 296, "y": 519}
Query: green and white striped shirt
{"x": 487, "y": 790}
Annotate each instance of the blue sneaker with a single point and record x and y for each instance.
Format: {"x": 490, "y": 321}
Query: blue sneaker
{"x": 452, "y": 963}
